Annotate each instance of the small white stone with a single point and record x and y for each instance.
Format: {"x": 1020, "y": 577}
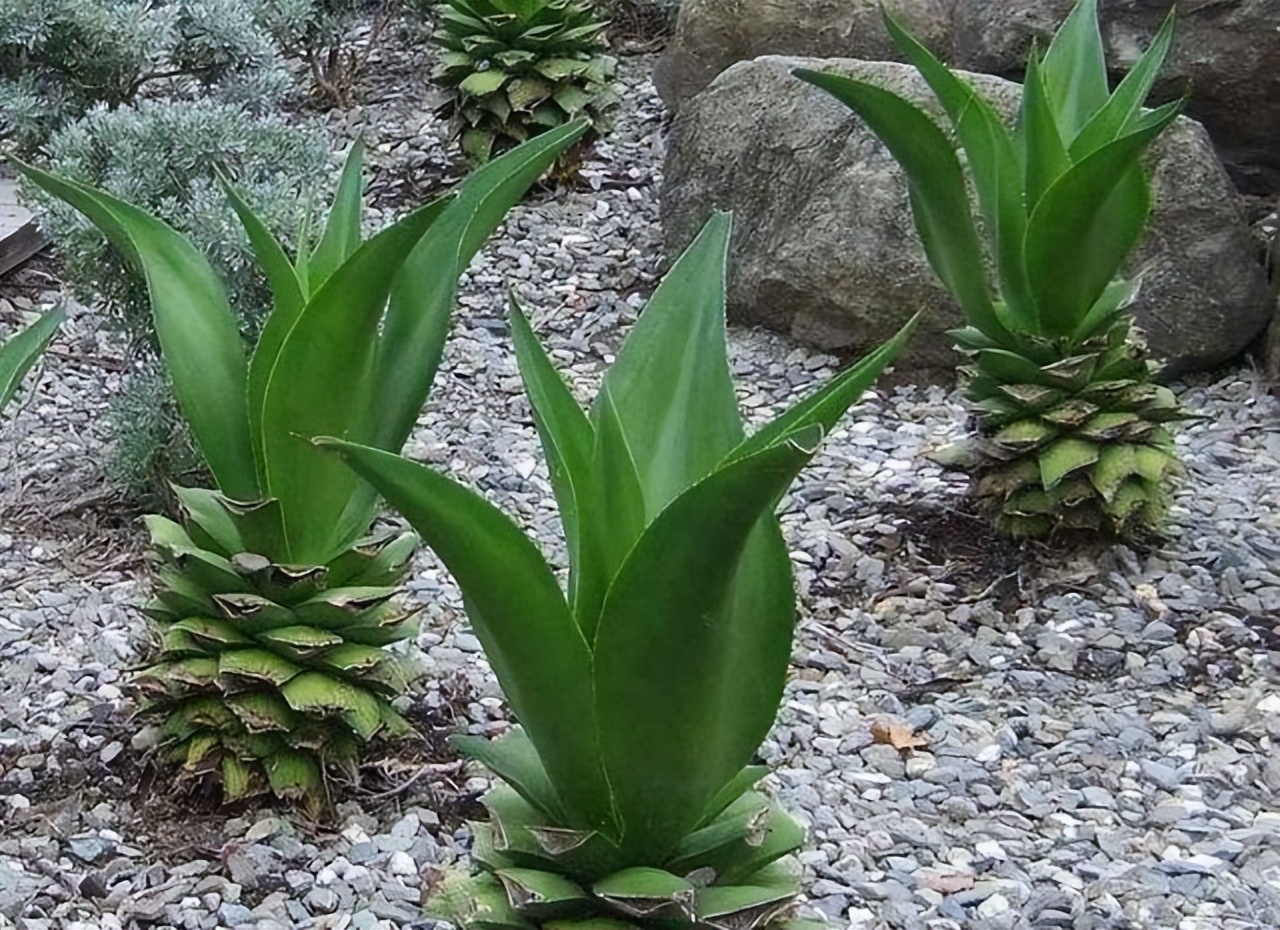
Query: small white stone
{"x": 990, "y": 849}
{"x": 401, "y": 863}
{"x": 1270, "y": 704}
{"x": 994, "y": 905}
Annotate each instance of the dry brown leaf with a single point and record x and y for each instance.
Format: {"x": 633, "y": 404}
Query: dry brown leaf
{"x": 943, "y": 882}
{"x": 898, "y": 735}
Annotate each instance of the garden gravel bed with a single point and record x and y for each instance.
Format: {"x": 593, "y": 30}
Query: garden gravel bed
{"x": 1088, "y": 736}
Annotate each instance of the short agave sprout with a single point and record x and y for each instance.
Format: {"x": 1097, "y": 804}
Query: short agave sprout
{"x": 273, "y": 602}
{"x": 644, "y": 691}
{"x": 520, "y": 67}
{"x": 1072, "y": 426}
{"x": 22, "y": 350}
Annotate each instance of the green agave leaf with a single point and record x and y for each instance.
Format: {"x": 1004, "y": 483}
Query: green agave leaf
{"x": 648, "y": 894}
{"x": 525, "y": 838}
{"x": 316, "y": 692}
{"x": 1075, "y": 69}
{"x": 1044, "y": 153}
{"x": 341, "y": 237}
{"x": 567, "y": 437}
{"x": 939, "y": 199}
{"x": 239, "y": 780}
{"x": 262, "y": 712}
{"x": 743, "y": 907}
{"x": 479, "y": 83}
{"x": 20, "y": 352}
{"x": 731, "y": 792}
{"x": 199, "y": 337}
{"x": 993, "y": 163}
{"x": 1125, "y": 104}
{"x": 514, "y": 759}
{"x": 259, "y": 664}
{"x": 518, "y": 610}
{"x": 321, "y": 384}
{"x": 744, "y": 818}
{"x": 828, "y": 404}
{"x": 300, "y": 641}
{"x": 1115, "y": 464}
{"x": 288, "y": 299}
{"x": 259, "y": 523}
{"x": 1095, "y": 212}
{"x": 378, "y": 560}
{"x": 294, "y": 775}
{"x": 210, "y": 631}
{"x": 491, "y": 909}
{"x": 686, "y": 686}
{"x": 671, "y": 384}
{"x": 539, "y": 895}
{"x": 417, "y": 317}
{"x": 342, "y": 608}
{"x": 205, "y": 515}
{"x": 615, "y": 513}
{"x": 1064, "y": 456}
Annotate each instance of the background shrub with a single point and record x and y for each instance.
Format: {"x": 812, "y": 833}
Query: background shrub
{"x": 163, "y": 156}
{"x": 61, "y": 58}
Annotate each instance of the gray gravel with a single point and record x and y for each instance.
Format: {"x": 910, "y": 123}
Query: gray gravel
{"x": 1097, "y": 733}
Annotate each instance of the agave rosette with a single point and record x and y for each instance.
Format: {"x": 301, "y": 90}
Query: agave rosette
{"x": 643, "y": 690}
{"x": 274, "y": 599}
{"x": 1072, "y": 425}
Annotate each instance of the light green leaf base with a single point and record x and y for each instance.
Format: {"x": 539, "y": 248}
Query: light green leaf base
{"x": 1073, "y": 443}
{"x": 271, "y": 675}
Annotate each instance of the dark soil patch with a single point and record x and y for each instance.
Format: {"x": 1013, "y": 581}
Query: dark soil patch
{"x": 962, "y": 543}
{"x": 178, "y": 822}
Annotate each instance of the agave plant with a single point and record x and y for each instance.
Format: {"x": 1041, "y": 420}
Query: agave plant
{"x": 1072, "y": 427}
{"x": 521, "y": 67}
{"x": 645, "y": 688}
{"x": 273, "y": 600}
{"x": 21, "y": 352}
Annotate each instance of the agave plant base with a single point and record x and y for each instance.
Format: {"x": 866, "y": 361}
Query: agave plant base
{"x": 735, "y": 872}
{"x": 1078, "y": 443}
{"x": 271, "y": 676}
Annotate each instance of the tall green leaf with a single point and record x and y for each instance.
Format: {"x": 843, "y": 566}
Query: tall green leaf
{"x": 613, "y": 517}
{"x": 1078, "y": 217}
{"x": 829, "y": 403}
{"x": 567, "y": 438}
{"x": 1123, "y": 105}
{"x": 288, "y": 299}
{"x": 320, "y": 385}
{"x": 671, "y": 381}
{"x": 672, "y": 715}
{"x": 993, "y": 162}
{"x": 341, "y": 235}
{"x": 939, "y": 199}
{"x": 422, "y": 295}
{"x": 198, "y": 334}
{"x": 1075, "y": 70}
{"x": 1044, "y": 153}
{"x": 20, "y": 352}
{"x": 520, "y": 616}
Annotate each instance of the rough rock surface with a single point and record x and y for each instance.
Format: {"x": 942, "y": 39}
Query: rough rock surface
{"x": 826, "y": 249}
{"x": 1225, "y": 55}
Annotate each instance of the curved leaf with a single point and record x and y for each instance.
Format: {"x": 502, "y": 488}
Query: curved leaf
{"x": 199, "y": 338}
{"x": 685, "y": 685}
{"x": 519, "y": 614}
{"x": 320, "y": 386}
{"x": 939, "y": 199}
{"x": 21, "y": 351}
{"x": 1094, "y": 213}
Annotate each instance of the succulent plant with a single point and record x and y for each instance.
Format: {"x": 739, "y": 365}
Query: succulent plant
{"x": 645, "y": 688}
{"x": 1072, "y": 426}
{"x": 273, "y": 600}
{"x": 520, "y": 67}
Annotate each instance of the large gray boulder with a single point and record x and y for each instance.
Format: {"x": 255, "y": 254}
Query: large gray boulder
{"x": 1226, "y": 56}
{"x": 825, "y": 248}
